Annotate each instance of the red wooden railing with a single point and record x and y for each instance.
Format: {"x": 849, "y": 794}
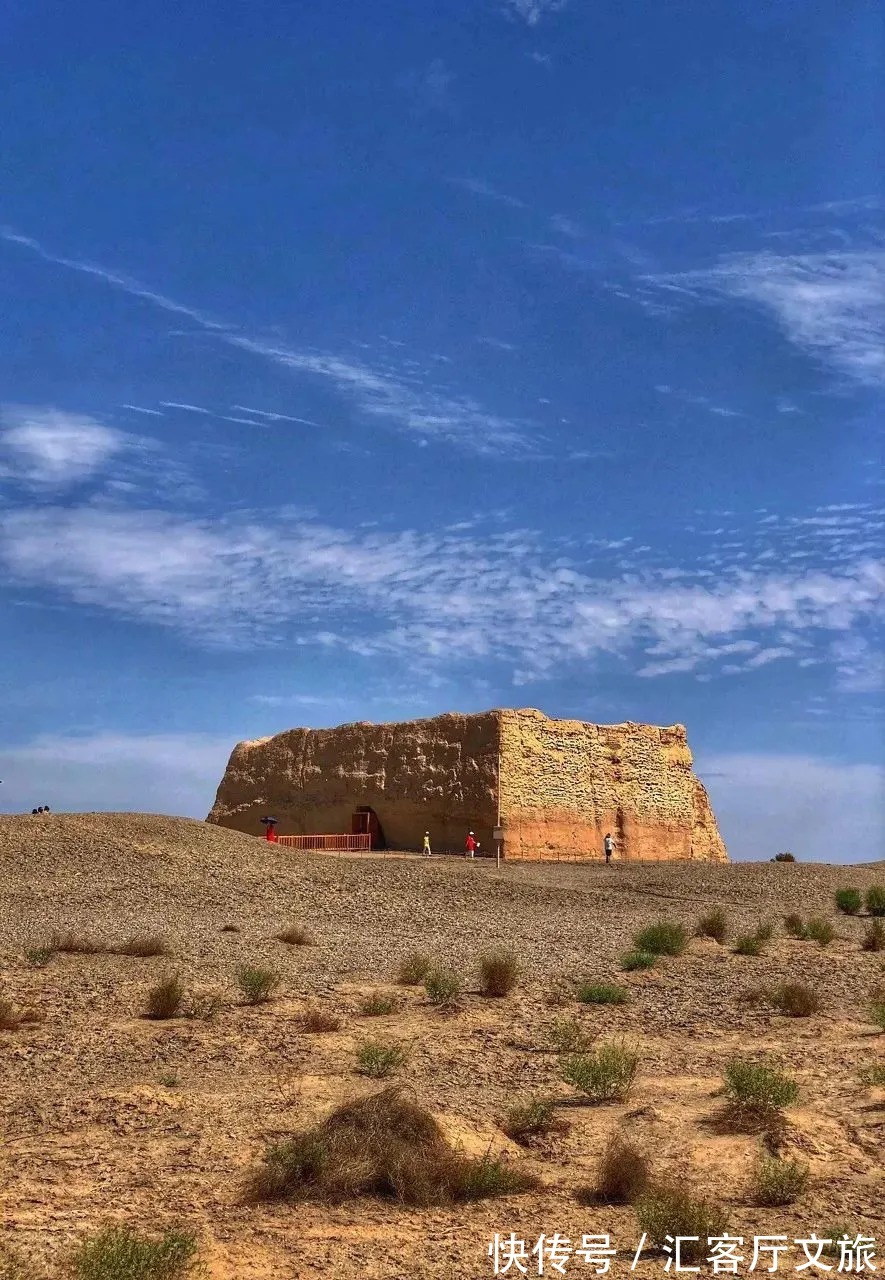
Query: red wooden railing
{"x": 341, "y": 843}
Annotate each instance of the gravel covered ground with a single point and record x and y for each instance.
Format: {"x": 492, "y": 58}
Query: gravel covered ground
{"x": 105, "y": 1115}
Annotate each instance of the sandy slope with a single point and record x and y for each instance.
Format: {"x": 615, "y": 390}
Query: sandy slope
{"x": 105, "y": 1115}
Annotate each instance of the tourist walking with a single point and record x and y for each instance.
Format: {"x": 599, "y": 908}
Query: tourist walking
{"x": 608, "y": 845}
{"x": 470, "y": 845}
{"x": 425, "y": 849}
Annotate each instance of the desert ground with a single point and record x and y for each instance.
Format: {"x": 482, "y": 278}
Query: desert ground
{"x": 111, "y": 1117}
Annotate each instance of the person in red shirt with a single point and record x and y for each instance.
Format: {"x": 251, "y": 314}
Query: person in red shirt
{"x": 470, "y": 845}
{"x": 270, "y": 828}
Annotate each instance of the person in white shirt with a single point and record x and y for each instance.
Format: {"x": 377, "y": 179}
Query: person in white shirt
{"x": 608, "y": 845}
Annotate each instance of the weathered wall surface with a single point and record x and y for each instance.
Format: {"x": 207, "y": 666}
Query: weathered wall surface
{"x": 565, "y": 783}
{"x": 438, "y": 775}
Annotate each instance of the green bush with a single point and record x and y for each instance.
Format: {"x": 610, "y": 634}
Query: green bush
{"x": 874, "y": 937}
{"x": 820, "y": 931}
{"x": 378, "y": 1059}
{"x": 876, "y": 900}
{"x": 849, "y": 901}
{"x": 602, "y": 993}
{"x": 414, "y": 969}
{"x": 39, "y": 956}
{"x": 530, "y": 1119}
{"x": 779, "y": 1182}
{"x": 118, "y": 1253}
{"x": 874, "y": 1075}
{"x": 664, "y": 938}
{"x": 499, "y": 972}
{"x": 713, "y": 925}
{"x": 669, "y": 1209}
{"x": 749, "y": 944}
{"x": 638, "y": 960}
{"x": 877, "y": 1011}
{"x": 567, "y": 1035}
{"x": 605, "y": 1073}
{"x": 257, "y": 984}
{"x": 443, "y": 986}
{"x": 757, "y": 1092}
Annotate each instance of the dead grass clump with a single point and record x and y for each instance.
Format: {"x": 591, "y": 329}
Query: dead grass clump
{"x": 499, "y": 973}
{"x": 874, "y": 1075}
{"x": 118, "y": 1253}
{"x": 877, "y": 1011}
{"x": 778, "y": 1182}
{"x": 713, "y": 925}
{"x": 794, "y": 999}
{"x": 13, "y": 1019}
{"x": 165, "y": 999}
{"x": 796, "y": 927}
{"x": 567, "y": 1035}
{"x": 384, "y": 1145}
{"x": 559, "y": 994}
{"x": 531, "y": 1119}
{"x": 144, "y": 946}
{"x": 623, "y": 1174}
{"x": 413, "y": 969}
{"x": 604, "y": 1074}
{"x": 229, "y": 928}
{"x": 668, "y": 1210}
{"x": 77, "y": 944}
{"x": 12, "y": 1267}
{"x": 874, "y": 937}
{"x": 316, "y": 1021}
{"x": 257, "y": 984}
{"x": 202, "y": 1006}
{"x": 378, "y": 1004}
{"x": 295, "y": 935}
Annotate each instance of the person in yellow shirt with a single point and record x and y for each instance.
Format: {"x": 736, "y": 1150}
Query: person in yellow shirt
{"x": 425, "y": 850}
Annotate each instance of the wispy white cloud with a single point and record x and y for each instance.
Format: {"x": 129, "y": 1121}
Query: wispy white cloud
{"x": 429, "y": 596}
{"x": 137, "y": 408}
{"x": 404, "y": 400}
{"x": 53, "y": 450}
{"x": 479, "y": 187}
{"x": 431, "y": 87}
{"x": 274, "y": 417}
{"x": 532, "y": 11}
{"x": 831, "y": 305}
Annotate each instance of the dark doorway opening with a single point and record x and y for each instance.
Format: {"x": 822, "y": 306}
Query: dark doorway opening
{"x": 364, "y": 821}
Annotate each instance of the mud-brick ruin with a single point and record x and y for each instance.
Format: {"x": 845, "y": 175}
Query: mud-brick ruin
{"x": 558, "y": 785}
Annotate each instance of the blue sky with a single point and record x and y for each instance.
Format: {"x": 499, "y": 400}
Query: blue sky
{"x": 365, "y": 362}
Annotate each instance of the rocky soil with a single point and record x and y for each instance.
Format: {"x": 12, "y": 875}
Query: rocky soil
{"x": 105, "y": 1115}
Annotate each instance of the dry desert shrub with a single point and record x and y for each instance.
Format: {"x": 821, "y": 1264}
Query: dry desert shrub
{"x": 39, "y": 956}
{"x": 602, "y": 993}
{"x": 664, "y": 938}
{"x": 670, "y": 1209}
{"x": 567, "y": 1035}
{"x": 876, "y": 900}
{"x": 794, "y": 999}
{"x": 316, "y": 1021}
{"x": 756, "y": 1094}
{"x": 498, "y": 972}
{"x": 874, "y": 937}
{"x": 443, "y": 986}
{"x": 877, "y": 1010}
{"x": 144, "y": 945}
{"x": 202, "y": 1006}
{"x": 413, "y": 969}
{"x": 820, "y": 931}
{"x": 713, "y": 925}
{"x": 13, "y": 1019}
{"x": 749, "y": 944}
{"x": 874, "y": 1075}
{"x": 849, "y": 901}
{"x": 379, "y": 1058}
{"x": 778, "y": 1182}
{"x": 256, "y": 983}
{"x": 77, "y": 944}
{"x": 632, "y": 960}
{"x": 623, "y": 1174}
{"x": 378, "y": 1004}
{"x": 165, "y": 999}
{"x": 796, "y": 927}
{"x": 119, "y": 1253}
{"x": 531, "y": 1119}
{"x": 383, "y": 1145}
{"x": 605, "y": 1073}
{"x": 229, "y": 928}
{"x": 784, "y": 857}
{"x": 295, "y": 935}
